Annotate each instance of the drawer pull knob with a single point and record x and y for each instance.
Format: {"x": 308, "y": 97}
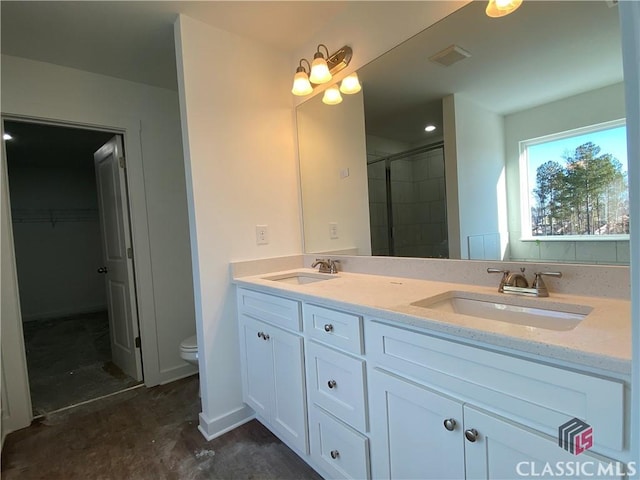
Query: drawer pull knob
{"x": 471, "y": 434}
{"x": 260, "y": 334}
{"x": 332, "y": 384}
{"x": 265, "y": 336}
{"x": 450, "y": 424}
{"x": 328, "y": 327}
{"x": 335, "y": 454}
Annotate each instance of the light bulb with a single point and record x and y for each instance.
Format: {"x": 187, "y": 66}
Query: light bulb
{"x": 350, "y": 84}
{"x": 332, "y": 96}
{"x": 301, "y": 84}
{"x": 319, "y": 70}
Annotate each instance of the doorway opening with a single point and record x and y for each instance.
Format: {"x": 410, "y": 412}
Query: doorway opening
{"x": 63, "y": 229}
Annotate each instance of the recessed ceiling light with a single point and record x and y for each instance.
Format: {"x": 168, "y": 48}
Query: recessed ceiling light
{"x": 6, "y": 136}
{"x": 429, "y": 128}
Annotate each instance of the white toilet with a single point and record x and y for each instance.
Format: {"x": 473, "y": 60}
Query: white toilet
{"x": 189, "y": 350}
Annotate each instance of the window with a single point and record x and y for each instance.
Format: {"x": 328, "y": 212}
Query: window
{"x": 574, "y": 184}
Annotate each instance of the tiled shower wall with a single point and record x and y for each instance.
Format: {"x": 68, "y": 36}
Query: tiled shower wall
{"x": 418, "y": 206}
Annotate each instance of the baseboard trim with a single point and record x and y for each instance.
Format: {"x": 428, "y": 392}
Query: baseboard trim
{"x": 211, "y": 429}
{"x": 175, "y": 373}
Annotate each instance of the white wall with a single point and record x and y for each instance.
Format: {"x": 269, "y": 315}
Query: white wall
{"x": 149, "y": 119}
{"x": 479, "y": 160}
{"x": 590, "y": 108}
{"x": 238, "y": 130}
{"x": 331, "y": 140}
{"x": 57, "y": 259}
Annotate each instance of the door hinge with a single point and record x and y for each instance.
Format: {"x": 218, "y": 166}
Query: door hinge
{"x": 121, "y": 161}
{"x": 138, "y": 342}
{"x": 129, "y": 252}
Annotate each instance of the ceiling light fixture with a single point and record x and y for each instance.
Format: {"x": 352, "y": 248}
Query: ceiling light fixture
{"x": 321, "y": 70}
{"x": 6, "y": 136}
{"x": 332, "y": 96}
{"x": 500, "y": 8}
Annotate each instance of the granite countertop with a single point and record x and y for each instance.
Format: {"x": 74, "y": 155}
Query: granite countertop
{"x": 601, "y": 340}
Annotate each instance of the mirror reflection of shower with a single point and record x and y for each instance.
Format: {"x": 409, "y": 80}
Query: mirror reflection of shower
{"x": 407, "y": 202}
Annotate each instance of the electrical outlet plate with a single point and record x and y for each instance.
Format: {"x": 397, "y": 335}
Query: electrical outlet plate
{"x": 262, "y": 234}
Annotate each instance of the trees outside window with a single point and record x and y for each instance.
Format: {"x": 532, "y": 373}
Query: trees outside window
{"x": 578, "y": 183}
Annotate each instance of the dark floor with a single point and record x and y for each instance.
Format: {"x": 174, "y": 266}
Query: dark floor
{"x": 69, "y": 361}
{"x": 145, "y": 434}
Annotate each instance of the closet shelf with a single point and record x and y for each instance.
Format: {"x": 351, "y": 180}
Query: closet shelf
{"x": 54, "y": 215}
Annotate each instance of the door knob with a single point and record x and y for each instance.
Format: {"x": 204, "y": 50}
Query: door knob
{"x": 102, "y": 270}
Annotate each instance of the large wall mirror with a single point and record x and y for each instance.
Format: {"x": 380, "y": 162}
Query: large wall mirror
{"x": 528, "y": 112}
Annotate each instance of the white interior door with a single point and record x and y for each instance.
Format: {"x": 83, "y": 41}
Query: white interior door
{"x": 118, "y": 266}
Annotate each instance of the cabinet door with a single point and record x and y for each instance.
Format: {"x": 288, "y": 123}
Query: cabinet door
{"x": 289, "y": 413}
{"x": 506, "y": 450}
{"x": 409, "y": 439}
{"x": 258, "y": 367}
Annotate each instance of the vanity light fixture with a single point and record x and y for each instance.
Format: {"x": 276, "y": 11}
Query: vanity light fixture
{"x": 500, "y": 8}
{"x": 332, "y": 96}
{"x": 350, "y": 84}
{"x": 321, "y": 70}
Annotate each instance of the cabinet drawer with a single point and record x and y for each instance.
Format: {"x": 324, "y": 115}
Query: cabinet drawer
{"x": 336, "y": 448}
{"x": 538, "y": 395}
{"x": 336, "y": 383}
{"x": 279, "y": 311}
{"x": 340, "y": 329}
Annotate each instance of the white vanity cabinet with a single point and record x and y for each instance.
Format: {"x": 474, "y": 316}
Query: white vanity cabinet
{"x": 336, "y": 379}
{"x": 440, "y": 409}
{"x": 365, "y": 398}
{"x": 272, "y": 361}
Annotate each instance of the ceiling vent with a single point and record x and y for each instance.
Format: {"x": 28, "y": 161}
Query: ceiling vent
{"x": 449, "y": 56}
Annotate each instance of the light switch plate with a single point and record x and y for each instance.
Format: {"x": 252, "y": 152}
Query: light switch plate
{"x": 333, "y": 230}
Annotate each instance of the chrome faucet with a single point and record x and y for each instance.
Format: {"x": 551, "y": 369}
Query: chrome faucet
{"x": 517, "y": 284}
{"x": 326, "y": 266}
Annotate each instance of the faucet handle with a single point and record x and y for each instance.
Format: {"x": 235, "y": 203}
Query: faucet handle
{"x": 540, "y": 286}
{"x": 505, "y": 274}
{"x": 333, "y": 265}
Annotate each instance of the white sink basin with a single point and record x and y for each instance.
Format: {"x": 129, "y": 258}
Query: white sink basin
{"x": 300, "y": 278}
{"x": 556, "y": 316}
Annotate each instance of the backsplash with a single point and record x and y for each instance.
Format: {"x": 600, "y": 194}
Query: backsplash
{"x": 588, "y": 280}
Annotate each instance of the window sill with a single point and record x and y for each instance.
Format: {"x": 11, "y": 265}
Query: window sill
{"x": 577, "y": 238}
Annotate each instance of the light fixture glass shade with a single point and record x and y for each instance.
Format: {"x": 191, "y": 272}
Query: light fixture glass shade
{"x": 332, "y": 96}
{"x": 500, "y": 8}
{"x": 350, "y": 84}
{"x": 301, "y": 84}
{"x": 319, "y": 70}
